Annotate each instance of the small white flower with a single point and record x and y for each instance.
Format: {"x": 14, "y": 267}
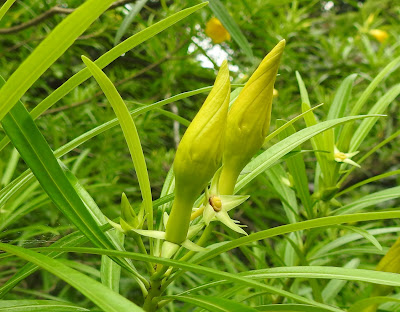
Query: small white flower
{"x": 345, "y": 157}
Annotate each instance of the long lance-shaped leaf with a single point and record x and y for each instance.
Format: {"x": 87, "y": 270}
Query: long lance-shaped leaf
{"x": 309, "y": 224}
{"x": 130, "y": 133}
{"x": 48, "y": 51}
{"x": 289, "y": 228}
{"x": 323, "y": 272}
{"x": 369, "y": 200}
{"x": 71, "y": 240}
{"x": 327, "y": 272}
{"x": 37, "y": 154}
{"x": 101, "y": 295}
{"x": 106, "y": 59}
{"x": 379, "y": 108}
{"x": 289, "y": 307}
{"x": 4, "y": 8}
{"x": 112, "y": 55}
{"x": 347, "y": 132}
{"x": 213, "y": 304}
{"x": 38, "y": 306}
{"x": 275, "y": 152}
{"x": 214, "y": 273}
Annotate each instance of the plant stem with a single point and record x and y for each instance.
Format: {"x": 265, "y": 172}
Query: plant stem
{"x": 155, "y": 290}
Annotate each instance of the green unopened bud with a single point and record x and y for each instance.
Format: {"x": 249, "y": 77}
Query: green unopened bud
{"x": 129, "y": 218}
{"x": 249, "y": 119}
{"x": 199, "y": 155}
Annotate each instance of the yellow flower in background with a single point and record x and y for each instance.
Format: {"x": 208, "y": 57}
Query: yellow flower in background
{"x": 216, "y": 31}
{"x": 275, "y": 93}
{"x": 379, "y": 34}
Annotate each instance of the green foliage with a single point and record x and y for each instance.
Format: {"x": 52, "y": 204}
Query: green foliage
{"x": 320, "y": 229}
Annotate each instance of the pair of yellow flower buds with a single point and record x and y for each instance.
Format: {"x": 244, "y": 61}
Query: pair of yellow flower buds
{"x": 217, "y": 137}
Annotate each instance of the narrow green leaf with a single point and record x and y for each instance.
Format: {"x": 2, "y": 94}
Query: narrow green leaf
{"x": 341, "y": 100}
{"x": 342, "y": 97}
{"x": 112, "y": 55}
{"x": 38, "y": 305}
{"x": 5, "y": 7}
{"x": 99, "y": 294}
{"x": 71, "y": 240}
{"x": 288, "y": 124}
{"x": 297, "y": 169}
{"x": 361, "y": 305}
{"x": 279, "y": 181}
{"x": 106, "y": 59}
{"x": 220, "y": 248}
{"x": 199, "y": 270}
{"x": 390, "y": 68}
{"x": 327, "y": 272}
{"x": 323, "y": 141}
{"x": 366, "y": 125}
{"x": 364, "y": 233}
{"x": 37, "y": 154}
{"x": 130, "y": 133}
{"x": 10, "y": 168}
{"x": 111, "y": 271}
{"x": 213, "y": 304}
{"x": 369, "y": 153}
{"x": 275, "y": 152}
{"x": 303, "y": 90}
{"x": 48, "y": 51}
{"x": 289, "y": 228}
{"x": 347, "y": 132}
{"x": 229, "y": 23}
{"x": 366, "y": 181}
{"x": 136, "y": 7}
{"x": 288, "y": 307}
{"x": 332, "y": 289}
{"x": 369, "y": 200}
{"x": 336, "y": 244}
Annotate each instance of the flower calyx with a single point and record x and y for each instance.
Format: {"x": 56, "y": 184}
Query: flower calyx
{"x": 217, "y": 206}
{"x": 345, "y": 157}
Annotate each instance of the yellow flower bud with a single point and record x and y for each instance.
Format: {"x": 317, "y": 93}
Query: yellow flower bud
{"x": 216, "y": 31}
{"x": 379, "y": 34}
{"x": 248, "y": 119}
{"x": 199, "y": 155}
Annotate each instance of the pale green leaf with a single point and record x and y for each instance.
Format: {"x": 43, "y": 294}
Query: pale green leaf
{"x": 213, "y": 304}
{"x": 39, "y": 306}
{"x": 130, "y": 133}
{"x": 99, "y": 294}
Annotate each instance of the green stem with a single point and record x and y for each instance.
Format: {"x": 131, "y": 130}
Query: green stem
{"x": 150, "y": 302}
{"x": 179, "y": 219}
{"x": 202, "y": 240}
{"x": 227, "y": 181}
{"x": 155, "y": 290}
{"x": 143, "y": 250}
